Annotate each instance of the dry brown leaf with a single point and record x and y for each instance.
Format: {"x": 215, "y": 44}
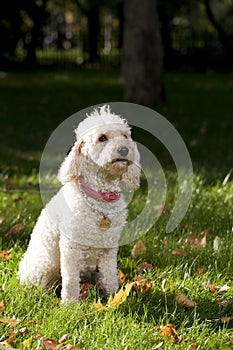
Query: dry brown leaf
{"x": 11, "y": 337}
{"x": 15, "y": 229}
{"x": 121, "y": 276}
{"x": 2, "y": 307}
{"x": 145, "y": 266}
{"x": 49, "y": 344}
{"x": 192, "y": 346}
{"x": 10, "y": 322}
{"x": 64, "y": 338}
{"x": 199, "y": 241}
{"x": 226, "y": 319}
{"x": 184, "y": 301}
{"x": 169, "y": 332}
{"x": 138, "y": 249}
{"x": 142, "y": 285}
{"x": 17, "y": 332}
{"x": 216, "y": 289}
{"x": 180, "y": 252}
{"x": 200, "y": 271}
{"x": 5, "y": 255}
{"x": 84, "y": 289}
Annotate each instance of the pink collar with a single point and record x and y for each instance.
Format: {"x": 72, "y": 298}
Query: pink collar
{"x": 99, "y": 196}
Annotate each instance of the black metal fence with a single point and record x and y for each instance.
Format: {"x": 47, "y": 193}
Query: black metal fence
{"x": 64, "y": 40}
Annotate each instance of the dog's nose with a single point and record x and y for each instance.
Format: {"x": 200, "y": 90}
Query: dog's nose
{"x": 123, "y": 151}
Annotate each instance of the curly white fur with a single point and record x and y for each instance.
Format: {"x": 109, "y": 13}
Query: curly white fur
{"x": 68, "y": 241}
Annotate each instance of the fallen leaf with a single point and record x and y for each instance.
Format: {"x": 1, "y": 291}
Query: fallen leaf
{"x": 223, "y": 303}
{"x": 116, "y": 300}
{"x": 27, "y": 343}
{"x": 10, "y": 322}
{"x": 84, "y": 289}
{"x": 145, "y": 266}
{"x": 121, "y": 276}
{"x": 37, "y": 336}
{"x": 192, "y": 346}
{"x": 184, "y": 301}
{"x": 200, "y": 271}
{"x": 49, "y": 344}
{"x": 2, "y": 307}
{"x": 6, "y": 345}
{"x": 216, "y": 289}
{"x": 180, "y": 252}
{"x": 142, "y": 285}
{"x": 169, "y": 332}
{"x": 15, "y": 229}
{"x": 199, "y": 241}
{"x": 22, "y": 331}
{"x": 226, "y": 319}
{"x": 11, "y": 337}
{"x": 138, "y": 249}
{"x": 70, "y": 347}
{"x": 99, "y": 306}
{"x": 120, "y": 297}
{"x": 223, "y": 289}
{"x": 5, "y": 255}
{"x": 64, "y": 338}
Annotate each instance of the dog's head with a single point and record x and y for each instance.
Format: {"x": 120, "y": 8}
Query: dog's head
{"x": 104, "y": 154}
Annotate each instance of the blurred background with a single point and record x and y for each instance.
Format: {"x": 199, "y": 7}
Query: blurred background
{"x": 59, "y": 56}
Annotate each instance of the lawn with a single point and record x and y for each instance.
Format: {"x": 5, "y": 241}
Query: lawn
{"x": 186, "y": 276}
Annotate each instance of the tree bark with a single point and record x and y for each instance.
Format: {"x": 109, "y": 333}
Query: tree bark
{"x": 142, "y": 65}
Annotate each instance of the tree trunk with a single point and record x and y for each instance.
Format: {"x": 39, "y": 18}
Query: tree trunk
{"x": 91, "y": 9}
{"x": 224, "y": 38}
{"x": 142, "y": 65}
{"x": 37, "y": 12}
{"x": 93, "y": 33}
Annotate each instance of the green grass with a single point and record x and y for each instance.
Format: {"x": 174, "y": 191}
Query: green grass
{"x": 32, "y": 104}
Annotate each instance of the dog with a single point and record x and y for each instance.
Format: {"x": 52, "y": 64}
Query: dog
{"x": 78, "y": 231}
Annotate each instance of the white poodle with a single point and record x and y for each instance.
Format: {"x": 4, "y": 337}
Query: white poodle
{"x": 78, "y": 231}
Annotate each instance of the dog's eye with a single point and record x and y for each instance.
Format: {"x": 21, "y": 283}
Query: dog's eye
{"x": 103, "y": 138}
{"x": 125, "y": 136}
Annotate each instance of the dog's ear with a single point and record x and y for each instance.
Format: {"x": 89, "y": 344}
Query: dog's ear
{"x": 69, "y": 168}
